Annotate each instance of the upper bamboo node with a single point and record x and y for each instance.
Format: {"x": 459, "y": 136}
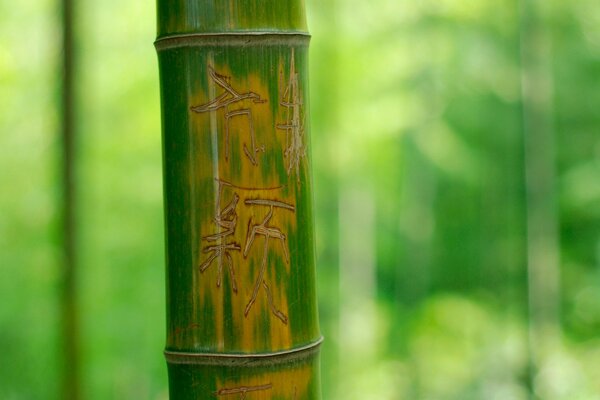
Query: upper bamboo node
{"x": 180, "y": 17}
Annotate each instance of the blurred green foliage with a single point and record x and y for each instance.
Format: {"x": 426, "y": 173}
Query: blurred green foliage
{"x": 418, "y": 139}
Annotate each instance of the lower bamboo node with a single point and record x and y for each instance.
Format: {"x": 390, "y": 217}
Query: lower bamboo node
{"x": 290, "y": 375}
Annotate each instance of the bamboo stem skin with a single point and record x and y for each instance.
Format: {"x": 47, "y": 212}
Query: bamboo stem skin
{"x": 217, "y": 16}
{"x": 241, "y": 298}
{"x": 296, "y": 376}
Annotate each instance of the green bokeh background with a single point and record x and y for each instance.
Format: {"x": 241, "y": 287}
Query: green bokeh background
{"x": 419, "y": 165}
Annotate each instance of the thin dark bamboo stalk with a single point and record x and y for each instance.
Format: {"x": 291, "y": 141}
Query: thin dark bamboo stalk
{"x": 70, "y": 384}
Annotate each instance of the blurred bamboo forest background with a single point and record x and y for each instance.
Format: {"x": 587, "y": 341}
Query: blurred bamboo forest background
{"x": 456, "y": 158}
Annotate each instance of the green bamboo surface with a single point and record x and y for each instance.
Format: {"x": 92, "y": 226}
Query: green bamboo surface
{"x": 212, "y": 16}
{"x": 241, "y": 298}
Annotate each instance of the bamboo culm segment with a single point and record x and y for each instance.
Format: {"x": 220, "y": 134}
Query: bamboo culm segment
{"x": 241, "y": 300}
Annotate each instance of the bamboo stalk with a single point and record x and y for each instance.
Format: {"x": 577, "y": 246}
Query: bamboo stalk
{"x": 241, "y": 300}
{"x": 543, "y": 258}
{"x": 70, "y": 384}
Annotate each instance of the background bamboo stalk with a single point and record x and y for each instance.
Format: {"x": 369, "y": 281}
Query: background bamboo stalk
{"x": 69, "y": 230}
{"x": 540, "y": 187}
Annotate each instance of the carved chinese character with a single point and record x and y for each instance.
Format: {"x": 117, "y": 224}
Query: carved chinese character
{"x": 268, "y": 231}
{"x": 242, "y": 391}
{"x": 226, "y": 221}
{"x": 291, "y": 99}
{"x": 230, "y": 97}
